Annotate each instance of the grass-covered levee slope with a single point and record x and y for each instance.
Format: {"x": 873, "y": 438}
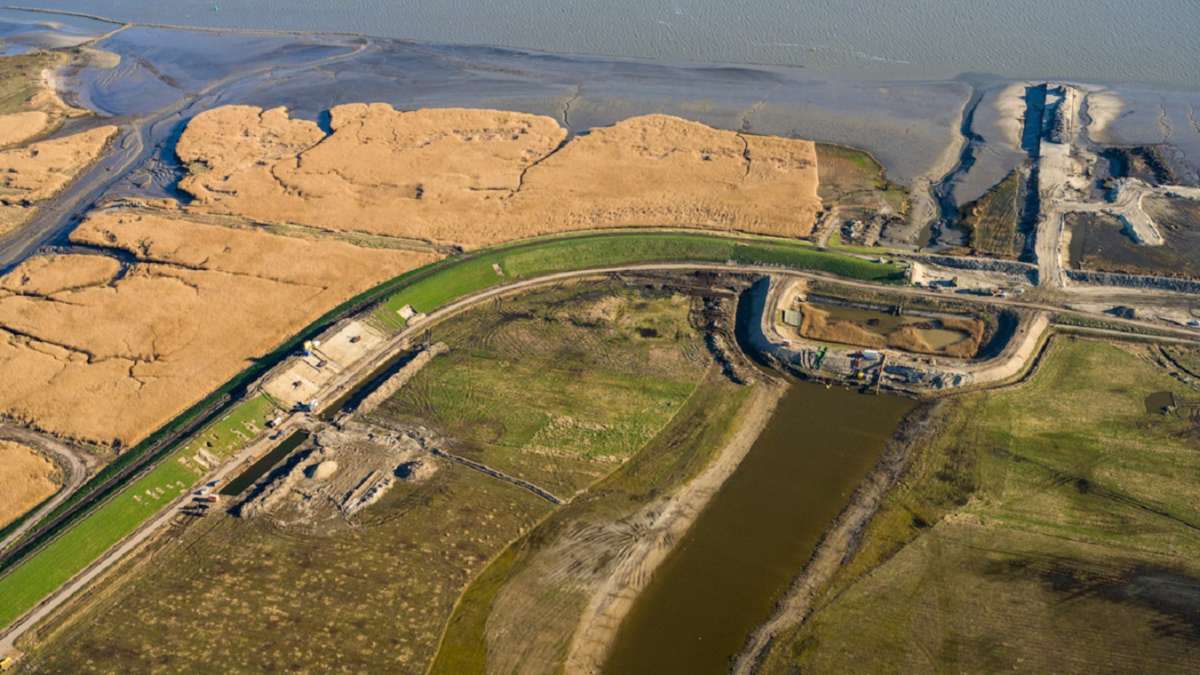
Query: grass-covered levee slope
{"x": 1054, "y": 526}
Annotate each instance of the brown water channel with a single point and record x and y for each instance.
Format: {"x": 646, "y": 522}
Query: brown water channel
{"x": 755, "y": 536}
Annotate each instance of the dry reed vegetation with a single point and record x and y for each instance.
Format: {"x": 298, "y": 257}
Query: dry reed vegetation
{"x": 105, "y": 352}
{"x": 26, "y": 478}
{"x": 479, "y": 177}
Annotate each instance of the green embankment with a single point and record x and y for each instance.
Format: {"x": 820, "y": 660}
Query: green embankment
{"x": 128, "y": 509}
{"x": 522, "y": 261}
{"x": 993, "y": 219}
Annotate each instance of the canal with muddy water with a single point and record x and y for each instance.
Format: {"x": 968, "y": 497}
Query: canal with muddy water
{"x": 756, "y": 535}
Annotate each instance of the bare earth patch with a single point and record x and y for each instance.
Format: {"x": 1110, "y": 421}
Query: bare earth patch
{"x": 26, "y": 478}
{"x": 479, "y": 177}
{"x": 91, "y": 352}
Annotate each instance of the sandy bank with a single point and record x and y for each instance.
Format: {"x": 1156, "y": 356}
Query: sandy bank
{"x": 1010, "y": 103}
{"x": 478, "y": 177}
{"x": 667, "y": 521}
{"x": 1103, "y": 108}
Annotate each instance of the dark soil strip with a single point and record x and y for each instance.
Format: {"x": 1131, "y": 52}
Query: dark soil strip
{"x": 487, "y": 470}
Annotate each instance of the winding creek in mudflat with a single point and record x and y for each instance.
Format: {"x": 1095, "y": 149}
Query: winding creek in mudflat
{"x": 757, "y": 533}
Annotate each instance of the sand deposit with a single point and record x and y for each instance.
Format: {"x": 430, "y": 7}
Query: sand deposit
{"x": 479, "y": 177}
{"x": 26, "y": 478}
{"x": 91, "y": 352}
{"x": 35, "y": 173}
{"x": 911, "y": 335}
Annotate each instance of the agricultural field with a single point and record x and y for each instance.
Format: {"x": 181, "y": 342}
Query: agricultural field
{"x": 455, "y": 278}
{"x": 367, "y": 598}
{"x": 1050, "y": 528}
{"x": 560, "y": 367}
{"x": 993, "y": 220}
{"x": 73, "y": 550}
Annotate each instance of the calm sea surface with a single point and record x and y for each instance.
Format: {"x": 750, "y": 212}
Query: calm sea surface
{"x": 1085, "y": 40}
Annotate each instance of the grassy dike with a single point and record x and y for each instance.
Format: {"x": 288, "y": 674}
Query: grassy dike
{"x": 522, "y": 261}
{"x": 58, "y": 555}
{"x": 75, "y": 548}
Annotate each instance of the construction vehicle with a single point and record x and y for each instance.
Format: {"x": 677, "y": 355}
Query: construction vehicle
{"x": 7, "y": 663}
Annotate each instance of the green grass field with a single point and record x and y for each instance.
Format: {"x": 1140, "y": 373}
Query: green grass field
{"x": 558, "y": 385}
{"x": 77, "y": 547}
{"x": 453, "y": 279}
{"x": 426, "y": 291}
{"x": 1051, "y": 527}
